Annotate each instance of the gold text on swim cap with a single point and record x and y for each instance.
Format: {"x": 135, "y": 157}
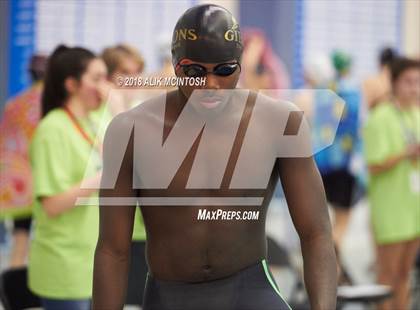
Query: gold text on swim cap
{"x": 185, "y": 34}
{"x": 233, "y": 34}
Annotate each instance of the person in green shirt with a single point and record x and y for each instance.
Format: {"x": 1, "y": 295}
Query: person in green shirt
{"x": 392, "y": 146}
{"x": 65, "y": 233}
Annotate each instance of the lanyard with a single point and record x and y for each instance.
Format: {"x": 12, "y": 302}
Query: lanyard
{"x": 78, "y": 127}
{"x": 409, "y": 133}
{"x": 83, "y": 134}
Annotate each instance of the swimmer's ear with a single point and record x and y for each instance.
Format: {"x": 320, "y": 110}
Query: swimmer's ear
{"x": 178, "y": 70}
{"x": 71, "y": 85}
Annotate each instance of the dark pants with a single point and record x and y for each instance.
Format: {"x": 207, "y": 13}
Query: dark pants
{"x": 250, "y": 289}
{"x": 22, "y": 224}
{"x": 69, "y": 304}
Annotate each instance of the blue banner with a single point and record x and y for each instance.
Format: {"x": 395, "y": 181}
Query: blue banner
{"x": 21, "y": 44}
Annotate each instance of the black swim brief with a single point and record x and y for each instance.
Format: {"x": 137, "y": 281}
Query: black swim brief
{"x": 252, "y": 288}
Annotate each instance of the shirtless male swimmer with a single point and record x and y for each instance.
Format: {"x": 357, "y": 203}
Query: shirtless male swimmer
{"x": 207, "y": 264}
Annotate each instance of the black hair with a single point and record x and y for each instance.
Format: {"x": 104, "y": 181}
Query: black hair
{"x": 63, "y": 63}
{"x": 35, "y": 75}
{"x": 387, "y": 56}
{"x": 37, "y": 67}
{"x": 400, "y": 65}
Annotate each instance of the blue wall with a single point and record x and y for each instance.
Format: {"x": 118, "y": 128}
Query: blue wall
{"x": 21, "y": 43}
{"x": 4, "y": 22}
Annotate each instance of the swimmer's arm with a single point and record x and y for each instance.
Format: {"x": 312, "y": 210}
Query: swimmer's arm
{"x": 112, "y": 256}
{"x": 308, "y": 208}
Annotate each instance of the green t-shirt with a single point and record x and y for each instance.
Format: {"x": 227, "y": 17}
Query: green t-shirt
{"x": 62, "y": 250}
{"x": 395, "y": 206}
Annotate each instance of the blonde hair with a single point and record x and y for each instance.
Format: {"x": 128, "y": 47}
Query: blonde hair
{"x": 114, "y": 55}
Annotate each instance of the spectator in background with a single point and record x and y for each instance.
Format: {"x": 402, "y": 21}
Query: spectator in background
{"x": 392, "y": 146}
{"x": 339, "y": 177}
{"x": 123, "y": 60}
{"x": 261, "y": 67}
{"x": 334, "y": 162}
{"x": 318, "y": 74}
{"x": 60, "y": 266}
{"x": 165, "y": 57}
{"x": 377, "y": 88}
{"x": 20, "y": 118}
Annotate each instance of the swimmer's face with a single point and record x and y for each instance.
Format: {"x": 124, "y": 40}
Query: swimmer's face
{"x": 213, "y": 81}
{"x": 407, "y": 86}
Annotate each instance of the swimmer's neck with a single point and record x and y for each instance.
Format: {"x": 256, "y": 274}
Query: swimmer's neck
{"x": 182, "y": 99}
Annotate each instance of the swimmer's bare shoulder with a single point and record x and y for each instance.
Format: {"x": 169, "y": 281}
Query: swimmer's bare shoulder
{"x": 279, "y": 117}
{"x": 271, "y": 106}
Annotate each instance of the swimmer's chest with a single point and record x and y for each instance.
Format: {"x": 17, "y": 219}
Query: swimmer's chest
{"x": 210, "y": 156}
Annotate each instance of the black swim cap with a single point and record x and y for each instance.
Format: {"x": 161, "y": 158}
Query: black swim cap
{"x": 206, "y": 33}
